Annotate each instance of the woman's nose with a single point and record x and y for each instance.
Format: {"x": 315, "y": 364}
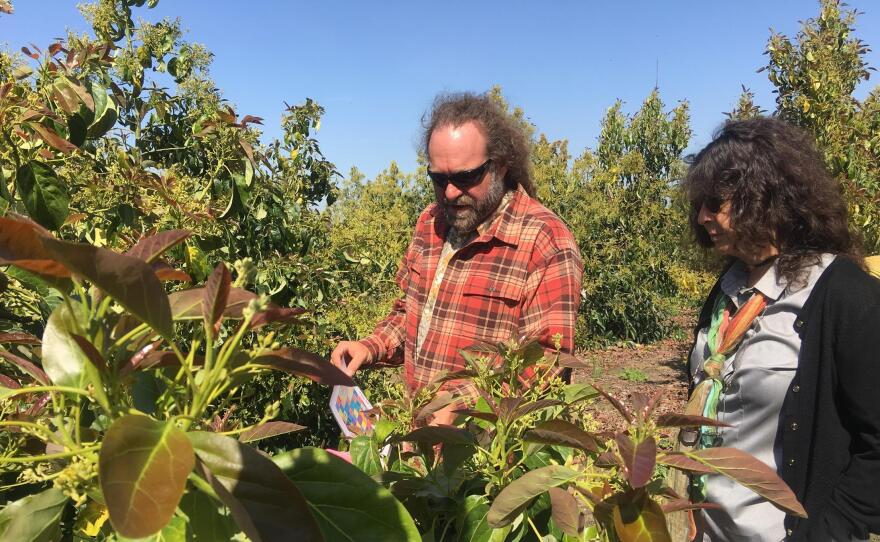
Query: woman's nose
{"x": 704, "y": 214}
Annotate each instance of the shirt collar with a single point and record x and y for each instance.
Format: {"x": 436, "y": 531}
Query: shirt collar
{"x": 734, "y": 281}
{"x": 504, "y": 224}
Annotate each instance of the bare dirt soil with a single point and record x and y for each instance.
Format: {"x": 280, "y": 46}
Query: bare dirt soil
{"x": 620, "y": 371}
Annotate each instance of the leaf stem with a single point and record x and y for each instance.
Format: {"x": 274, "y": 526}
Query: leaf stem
{"x": 49, "y": 457}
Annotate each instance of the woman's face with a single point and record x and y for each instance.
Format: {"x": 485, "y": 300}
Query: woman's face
{"x": 714, "y": 216}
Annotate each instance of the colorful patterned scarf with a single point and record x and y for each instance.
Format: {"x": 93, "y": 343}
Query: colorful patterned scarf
{"x": 724, "y": 337}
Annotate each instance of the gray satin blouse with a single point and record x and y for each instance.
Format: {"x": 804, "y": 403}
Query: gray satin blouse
{"x": 756, "y": 378}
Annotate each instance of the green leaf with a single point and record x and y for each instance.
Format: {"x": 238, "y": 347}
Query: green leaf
{"x": 751, "y": 473}
{"x": 349, "y": 505}
{"x": 34, "y": 518}
{"x": 365, "y": 455}
{"x": 76, "y": 129}
{"x": 265, "y": 504}
{"x": 209, "y": 520}
{"x": 563, "y": 433}
{"x": 128, "y": 280}
{"x": 106, "y": 112}
{"x": 63, "y": 359}
{"x": 44, "y": 195}
{"x": 471, "y": 522}
{"x": 143, "y": 468}
{"x": 514, "y": 498}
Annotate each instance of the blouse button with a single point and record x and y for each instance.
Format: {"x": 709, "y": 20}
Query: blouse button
{"x": 794, "y": 426}
{"x": 791, "y": 462}
{"x": 795, "y": 388}
{"x": 789, "y": 532}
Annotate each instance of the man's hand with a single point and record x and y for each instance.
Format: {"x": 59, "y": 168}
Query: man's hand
{"x": 349, "y": 356}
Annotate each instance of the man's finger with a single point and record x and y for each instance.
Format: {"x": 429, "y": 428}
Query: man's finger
{"x": 354, "y": 363}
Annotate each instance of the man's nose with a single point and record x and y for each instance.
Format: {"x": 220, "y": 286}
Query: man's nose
{"x": 452, "y": 192}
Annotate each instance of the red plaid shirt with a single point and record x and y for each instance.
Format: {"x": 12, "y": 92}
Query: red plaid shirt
{"x": 520, "y": 277}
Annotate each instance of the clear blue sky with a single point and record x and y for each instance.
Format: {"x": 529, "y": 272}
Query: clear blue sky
{"x": 376, "y": 66}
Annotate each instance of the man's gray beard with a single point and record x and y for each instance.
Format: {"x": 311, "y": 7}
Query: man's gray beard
{"x": 477, "y": 212}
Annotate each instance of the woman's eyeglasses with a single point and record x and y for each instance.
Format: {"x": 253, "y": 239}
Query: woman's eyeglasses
{"x": 460, "y": 179}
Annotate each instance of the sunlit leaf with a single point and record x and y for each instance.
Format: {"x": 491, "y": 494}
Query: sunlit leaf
{"x": 266, "y": 505}
{"x": 683, "y": 462}
{"x": 349, "y": 505}
{"x": 20, "y": 246}
{"x": 365, "y": 455}
{"x": 640, "y": 521}
{"x": 63, "y": 359}
{"x": 209, "y": 519}
{"x": 150, "y": 248}
{"x": 143, "y": 467}
{"x": 563, "y": 433}
{"x": 35, "y": 518}
{"x": 52, "y": 138}
{"x": 130, "y": 281}
{"x": 751, "y": 473}
{"x": 303, "y": 363}
{"x": 269, "y": 429}
{"x": 439, "y": 401}
{"x": 615, "y": 402}
{"x": 187, "y": 304}
{"x": 471, "y": 521}
{"x": 90, "y": 351}
{"x": 166, "y": 272}
{"x": 680, "y": 505}
{"x": 639, "y": 459}
{"x": 514, "y": 498}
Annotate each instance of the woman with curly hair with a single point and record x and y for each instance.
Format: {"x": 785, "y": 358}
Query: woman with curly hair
{"x": 787, "y": 347}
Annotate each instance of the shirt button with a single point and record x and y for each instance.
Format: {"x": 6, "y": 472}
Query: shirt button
{"x": 799, "y": 324}
{"x": 791, "y": 462}
{"x": 794, "y": 426}
{"x": 789, "y": 532}
{"x": 795, "y": 388}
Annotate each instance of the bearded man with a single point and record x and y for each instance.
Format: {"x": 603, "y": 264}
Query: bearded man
{"x": 487, "y": 262}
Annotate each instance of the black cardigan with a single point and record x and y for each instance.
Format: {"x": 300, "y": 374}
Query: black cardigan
{"x": 830, "y": 421}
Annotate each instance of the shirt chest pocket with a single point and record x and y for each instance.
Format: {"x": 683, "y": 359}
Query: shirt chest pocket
{"x": 491, "y": 308}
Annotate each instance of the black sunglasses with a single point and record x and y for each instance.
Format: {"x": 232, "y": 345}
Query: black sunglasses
{"x": 460, "y": 179}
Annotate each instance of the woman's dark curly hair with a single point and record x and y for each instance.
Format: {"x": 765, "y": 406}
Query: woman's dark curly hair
{"x": 506, "y": 143}
{"x": 779, "y": 190}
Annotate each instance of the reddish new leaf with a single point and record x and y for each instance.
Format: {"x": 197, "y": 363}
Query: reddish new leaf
{"x": 216, "y": 295}
{"x": 638, "y": 459}
{"x": 563, "y": 433}
{"x": 35, "y": 372}
{"x": 20, "y": 246}
{"x": 49, "y": 136}
{"x": 90, "y": 351}
{"x": 570, "y": 361}
{"x": 276, "y": 314}
{"x": 679, "y": 505}
{"x": 18, "y": 337}
{"x": 565, "y": 511}
{"x": 615, "y": 403}
{"x": 683, "y": 462}
{"x": 303, "y": 363}
{"x": 269, "y": 429}
{"x": 7, "y": 382}
{"x": 434, "y": 434}
{"x": 751, "y": 473}
{"x": 687, "y": 420}
{"x": 488, "y": 416}
{"x": 540, "y": 404}
{"x": 166, "y": 272}
{"x": 439, "y": 401}
{"x": 150, "y": 248}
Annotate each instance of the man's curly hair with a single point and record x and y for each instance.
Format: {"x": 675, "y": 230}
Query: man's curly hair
{"x": 780, "y": 193}
{"x": 506, "y": 143}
